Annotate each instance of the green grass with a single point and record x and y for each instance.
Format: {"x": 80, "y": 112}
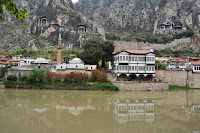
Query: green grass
{"x": 81, "y": 86}
{"x": 172, "y": 87}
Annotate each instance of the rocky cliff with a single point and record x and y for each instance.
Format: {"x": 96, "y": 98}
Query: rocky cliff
{"x": 47, "y": 19}
{"x": 161, "y": 17}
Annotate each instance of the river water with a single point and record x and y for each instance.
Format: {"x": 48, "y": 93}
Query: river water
{"x": 52, "y": 111}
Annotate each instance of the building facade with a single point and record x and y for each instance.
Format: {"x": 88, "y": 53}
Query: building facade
{"x": 134, "y": 62}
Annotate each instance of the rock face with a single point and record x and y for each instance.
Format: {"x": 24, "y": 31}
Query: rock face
{"x": 47, "y": 19}
{"x": 163, "y": 17}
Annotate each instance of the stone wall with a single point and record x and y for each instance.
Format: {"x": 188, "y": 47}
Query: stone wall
{"x": 17, "y": 72}
{"x": 145, "y": 86}
{"x": 74, "y": 70}
{"x": 179, "y": 78}
{"x": 122, "y": 45}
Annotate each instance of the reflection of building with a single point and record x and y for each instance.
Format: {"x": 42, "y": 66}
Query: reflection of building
{"x": 137, "y": 111}
{"x": 195, "y": 108}
{"x": 75, "y": 110}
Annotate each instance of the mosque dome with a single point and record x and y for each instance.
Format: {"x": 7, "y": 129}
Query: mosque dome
{"x": 76, "y": 61}
{"x": 41, "y": 61}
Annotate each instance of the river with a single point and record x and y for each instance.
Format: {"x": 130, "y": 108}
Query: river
{"x": 53, "y": 111}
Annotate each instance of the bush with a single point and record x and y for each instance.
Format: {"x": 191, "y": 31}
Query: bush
{"x": 54, "y": 77}
{"x": 12, "y": 78}
{"x": 75, "y": 77}
{"x": 98, "y": 76}
{"x": 2, "y": 72}
{"x": 23, "y": 78}
{"x": 37, "y": 75}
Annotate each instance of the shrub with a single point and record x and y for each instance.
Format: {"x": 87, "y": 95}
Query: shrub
{"x": 58, "y": 77}
{"x": 102, "y": 77}
{"x": 75, "y": 77}
{"x": 2, "y": 72}
{"x": 37, "y": 75}
{"x": 12, "y": 78}
{"x": 98, "y": 76}
{"x": 23, "y": 78}
{"x": 49, "y": 76}
{"x": 94, "y": 75}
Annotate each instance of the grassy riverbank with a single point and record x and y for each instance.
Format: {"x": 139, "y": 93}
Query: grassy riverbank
{"x": 172, "y": 87}
{"x": 61, "y": 85}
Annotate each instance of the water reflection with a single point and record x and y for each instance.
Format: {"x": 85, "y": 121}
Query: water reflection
{"x": 195, "y": 109}
{"x": 42, "y": 111}
{"x": 133, "y": 111}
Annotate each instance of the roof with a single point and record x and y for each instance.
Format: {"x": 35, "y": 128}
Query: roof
{"x": 4, "y": 63}
{"x": 135, "y": 51}
{"x": 14, "y": 60}
{"x": 195, "y": 63}
{"x": 195, "y": 58}
{"x": 41, "y": 60}
{"x": 76, "y": 61}
{"x": 177, "y": 60}
{"x": 5, "y": 57}
{"x": 53, "y": 62}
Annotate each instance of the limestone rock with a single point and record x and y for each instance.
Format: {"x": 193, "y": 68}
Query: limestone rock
{"x": 47, "y": 19}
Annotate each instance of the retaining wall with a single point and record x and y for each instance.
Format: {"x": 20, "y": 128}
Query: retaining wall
{"x": 144, "y": 86}
{"x": 180, "y": 78}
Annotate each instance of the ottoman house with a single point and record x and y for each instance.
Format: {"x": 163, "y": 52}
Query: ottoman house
{"x": 134, "y": 63}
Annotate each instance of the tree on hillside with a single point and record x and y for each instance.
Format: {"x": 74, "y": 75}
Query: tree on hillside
{"x": 108, "y": 49}
{"x": 13, "y": 8}
{"x": 96, "y": 50}
{"x": 92, "y": 52}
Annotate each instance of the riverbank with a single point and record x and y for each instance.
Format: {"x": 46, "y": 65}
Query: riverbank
{"x": 61, "y": 85}
{"x": 172, "y": 88}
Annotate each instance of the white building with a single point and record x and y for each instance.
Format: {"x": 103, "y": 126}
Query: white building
{"x": 134, "y": 62}
{"x": 135, "y": 111}
{"x": 195, "y": 66}
{"x": 26, "y": 62}
{"x": 76, "y": 64}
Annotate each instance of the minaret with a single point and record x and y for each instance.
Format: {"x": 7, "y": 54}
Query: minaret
{"x": 59, "y": 50}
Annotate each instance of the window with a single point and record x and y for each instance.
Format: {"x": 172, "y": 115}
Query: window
{"x": 122, "y": 68}
{"x": 133, "y": 68}
{"x": 120, "y": 58}
{"x": 126, "y": 58}
{"x": 129, "y": 68}
{"x": 61, "y": 67}
{"x": 123, "y": 58}
{"x": 133, "y": 58}
{"x": 153, "y": 68}
{"x": 76, "y": 66}
{"x": 126, "y": 68}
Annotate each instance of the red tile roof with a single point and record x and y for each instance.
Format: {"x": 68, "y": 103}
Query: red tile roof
{"x": 195, "y": 58}
{"x": 4, "y": 63}
{"x": 5, "y": 57}
{"x": 177, "y": 60}
{"x": 14, "y": 60}
{"x": 135, "y": 51}
{"x": 53, "y": 62}
{"x": 195, "y": 63}
{"x": 139, "y": 51}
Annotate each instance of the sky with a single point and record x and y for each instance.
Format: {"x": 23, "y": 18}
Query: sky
{"x": 74, "y": 1}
